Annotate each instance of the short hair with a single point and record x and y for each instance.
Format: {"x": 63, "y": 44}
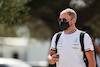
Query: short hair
{"x": 70, "y": 12}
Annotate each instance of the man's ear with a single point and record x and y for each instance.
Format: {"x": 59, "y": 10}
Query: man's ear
{"x": 74, "y": 20}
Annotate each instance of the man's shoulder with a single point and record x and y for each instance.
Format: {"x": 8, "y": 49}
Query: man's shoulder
{"x": 81, "y": 31}
{"x": 86, "y": 34}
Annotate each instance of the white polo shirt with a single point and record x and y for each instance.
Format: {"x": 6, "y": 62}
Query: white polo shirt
{"x": 69, "y": 48}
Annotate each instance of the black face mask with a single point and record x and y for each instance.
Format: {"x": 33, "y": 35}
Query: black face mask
{"x": 63, "y": 24}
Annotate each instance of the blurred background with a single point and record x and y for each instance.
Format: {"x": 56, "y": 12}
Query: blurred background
{"x": 27, "y": 26}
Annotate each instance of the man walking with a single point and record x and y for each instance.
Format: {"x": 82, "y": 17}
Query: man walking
{"x": 68, "y": 45}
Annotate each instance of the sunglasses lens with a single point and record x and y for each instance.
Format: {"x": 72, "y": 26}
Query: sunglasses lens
{"x": 64, "y": 20}
{"x": 59, "y": 20}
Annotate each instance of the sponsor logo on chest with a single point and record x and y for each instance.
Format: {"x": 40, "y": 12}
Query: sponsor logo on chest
{"x": 60, "y": 44}
{"x": 75, "y": 44}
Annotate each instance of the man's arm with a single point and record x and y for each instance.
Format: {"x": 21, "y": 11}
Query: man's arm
{"x": 91, "y": 58}
{"x": 52, "y": 58}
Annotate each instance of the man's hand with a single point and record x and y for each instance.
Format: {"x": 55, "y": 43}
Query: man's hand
{"x": 54, "y": 58}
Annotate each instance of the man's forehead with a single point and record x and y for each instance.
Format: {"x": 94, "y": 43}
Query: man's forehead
{"x": 64, "y": 15}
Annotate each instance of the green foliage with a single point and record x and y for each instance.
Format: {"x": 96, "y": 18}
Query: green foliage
{"x": 13, "y": 11}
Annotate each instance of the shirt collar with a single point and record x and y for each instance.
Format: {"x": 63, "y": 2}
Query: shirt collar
{"x": 71, "y": 31}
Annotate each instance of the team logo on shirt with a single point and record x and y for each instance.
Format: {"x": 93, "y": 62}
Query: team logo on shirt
{"x": 60, "y": 44}
{"x": 76, "y": 39}
{"x": 75, "y": 44}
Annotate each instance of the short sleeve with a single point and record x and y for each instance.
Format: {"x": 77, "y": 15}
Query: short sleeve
{"x": 53, "y": 42}
{"x": 88, "y": 45}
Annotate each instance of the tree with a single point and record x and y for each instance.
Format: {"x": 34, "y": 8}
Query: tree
{"x": 13, "y": 11}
